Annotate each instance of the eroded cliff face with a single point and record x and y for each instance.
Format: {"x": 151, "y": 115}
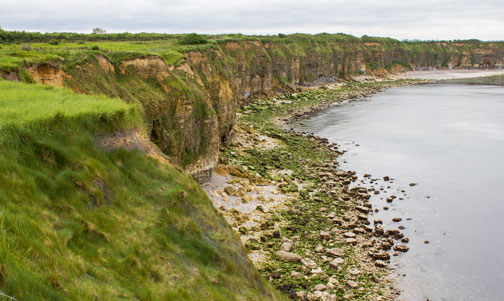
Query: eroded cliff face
{"x": 189, "y": 109}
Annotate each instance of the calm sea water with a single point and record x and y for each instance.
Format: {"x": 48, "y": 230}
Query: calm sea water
{"x": 449, "y": 138}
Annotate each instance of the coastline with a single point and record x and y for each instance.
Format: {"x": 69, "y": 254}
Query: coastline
{"x": 449, "y": 74}
{"x": 307, "y": 231}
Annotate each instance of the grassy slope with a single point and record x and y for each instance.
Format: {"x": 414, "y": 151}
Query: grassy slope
{"x": 80, "y": 223}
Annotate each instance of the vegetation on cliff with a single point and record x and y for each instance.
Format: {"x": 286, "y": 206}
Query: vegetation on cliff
{"x": 81, "y": 222}
{"x": 188, "y": 87}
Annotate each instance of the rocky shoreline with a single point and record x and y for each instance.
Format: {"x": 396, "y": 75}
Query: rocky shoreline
{"x": 305, "y": 223}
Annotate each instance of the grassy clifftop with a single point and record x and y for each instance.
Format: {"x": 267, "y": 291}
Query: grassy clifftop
{"x": 80, "y": 223}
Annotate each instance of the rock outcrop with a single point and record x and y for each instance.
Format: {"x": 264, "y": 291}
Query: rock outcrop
{"x": 189, "y": 108}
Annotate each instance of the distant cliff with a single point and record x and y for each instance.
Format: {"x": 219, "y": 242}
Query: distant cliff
{"x": 189, "y": 105}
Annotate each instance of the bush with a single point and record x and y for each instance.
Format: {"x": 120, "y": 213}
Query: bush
{"x": 193, "y": 39}
{"x": 53, "y": 42}
{"x": 95, "y": 48}
{"x": 282, "y": 35}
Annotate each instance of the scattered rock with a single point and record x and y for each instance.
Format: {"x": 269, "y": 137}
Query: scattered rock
{"x": 287, "y": 256}
{"x": 349, "y": 234}
{"x": 295, "y": 274}
{"x": 352, "y": 284}
{"x": 337, "y": 262}
{"x": 308, "y": 263}
{"x": 252, "y": 244}
{"x": 396, "y": 219}
{"x": 351, "y": 241}
{"x": 380, "y": 264}
{"x": 325, "y": 235}
{"x": 401, "y": 248}
{"x": 335, "y": 252}
{"x": 381, "y": 255}
{"x": 230, "y": 190}
{"x": 286, "y": 246}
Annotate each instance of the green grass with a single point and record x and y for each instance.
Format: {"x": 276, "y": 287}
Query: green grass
{"x": 26, "y": 104}
{"x": 80, "y": 223}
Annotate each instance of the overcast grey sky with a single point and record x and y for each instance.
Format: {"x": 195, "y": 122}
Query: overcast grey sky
{"x": 401, "y": 19}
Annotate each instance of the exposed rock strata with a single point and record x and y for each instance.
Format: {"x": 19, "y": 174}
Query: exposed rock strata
{"x": 190, "y": 108}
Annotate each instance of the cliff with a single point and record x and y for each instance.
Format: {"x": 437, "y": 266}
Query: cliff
{"x": 189, "y": 103}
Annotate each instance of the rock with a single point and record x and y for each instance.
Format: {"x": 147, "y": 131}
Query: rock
{"x": 378, "y": 230}
{"x": 295, "y": 274}
{"x": 319, "y": 287}
{"x": 401, "y": 248}
{"x": 386, "y": 178}
{"x": 352, "y": 284}
{"x": 396, "y": 219}
{"x": 325, "y": 235}
{"x": 308, "y": 263}
{"x": 242, "y": 230}
{"x": 252, "y": 244}
{"x": 319, "y": 248}
{"x": 351, "y": 241}
{"x": 412, "y": 184}
{"x": 362, "y": 217}
{"x": 301, "y": 295}
{"x": 237, "y": 172}
{"x": 405, "y": 240}
{"x": 335, "y": 252}
{"x": 380, "y": 264}
{"x": 349, "y": 234}
{"x": 426, "y": 242}
{"x": 354, "y": 272}
{"x": 386, "y": 245}
{"x": 378, "y": 221}
{"x": 359, "y": 230}
{"x": 230, "y": 190}
{"x": 337, "y": 262}
{"x": 286, "y": 246}
{"x": 362, "y": 209}
{"x": 287, "y": 256}
{"x": 381, "y": 255}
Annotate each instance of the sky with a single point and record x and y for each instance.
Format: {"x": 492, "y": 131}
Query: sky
{"x": 400, "y": 19}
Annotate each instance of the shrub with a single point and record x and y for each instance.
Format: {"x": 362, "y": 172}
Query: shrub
{"x": 282, "y": 35}
{"x": 95, "y": 48}
{"x": 53, "y": 42}
{"x": 193, "y": 39}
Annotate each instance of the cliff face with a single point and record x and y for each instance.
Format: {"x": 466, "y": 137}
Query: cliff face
{"x": 189, "y": 109}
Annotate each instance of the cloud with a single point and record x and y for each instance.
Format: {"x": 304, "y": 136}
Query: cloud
{"x": 427, "y": 19}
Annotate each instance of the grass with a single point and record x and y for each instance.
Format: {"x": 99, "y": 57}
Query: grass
{"x": 80, "y": 223}
{"x": 24, "y": 105}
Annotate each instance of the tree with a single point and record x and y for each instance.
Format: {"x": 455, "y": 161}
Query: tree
{"x": 99, "y": 31}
